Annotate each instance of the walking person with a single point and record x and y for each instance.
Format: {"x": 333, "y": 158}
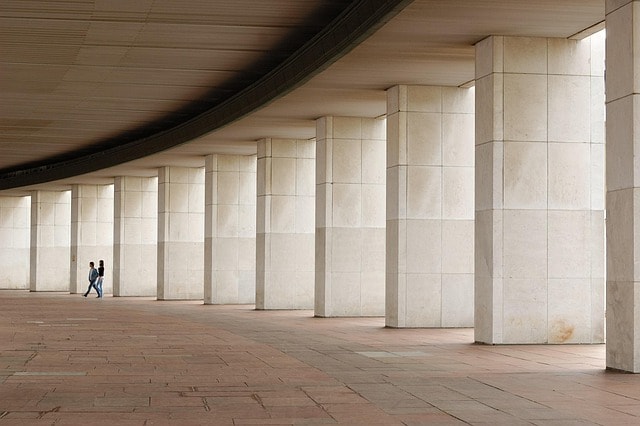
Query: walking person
{"x": 100, "y": 278}
{"x": 93, "y": 277}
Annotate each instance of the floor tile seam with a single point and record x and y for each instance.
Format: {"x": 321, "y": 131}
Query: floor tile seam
{"x": 546, "y": 406}
{"x": 480, "y": 401}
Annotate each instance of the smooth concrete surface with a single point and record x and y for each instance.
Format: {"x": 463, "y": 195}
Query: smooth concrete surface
{"x": 68, "y": 360}
{"x": 539, "y": 231}
{"x": 430, "y": 206}
{"x": 350, "y": 216}
{"x": 285, "y": 224}
{"x": 230, "y": 229}
{"x": 15, "y": 213}
{"x": 135, "y": 236}
{"x": 180, "y": 233}
{"x": 50, "y": 240}
{"x": 623, "y": 185}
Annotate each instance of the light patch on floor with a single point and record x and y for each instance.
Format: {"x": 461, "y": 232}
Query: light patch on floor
{"x": 57, "y": 325}
{"x": 392, "y": 354}
{"x": 49, "y": 373}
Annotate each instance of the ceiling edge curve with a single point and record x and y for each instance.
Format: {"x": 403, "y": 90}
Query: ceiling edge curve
{"x": 361, "y": 19}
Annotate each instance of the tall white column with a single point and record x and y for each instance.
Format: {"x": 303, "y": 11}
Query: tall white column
{"x": 430, "y": 206}
{"x": 623, "y": 185}
{"x": 135, "y": 237}
{"x": 14, "y": 242}
{"x": 230, "y": 229}
{"x": 91, "y": 234}
{"x": 285, "y": 226}
{"x": 50, "y": 241}
{"x": 350, "y": 216}
{"x": 180, "y": 233}
{"x": 539, "y": 254}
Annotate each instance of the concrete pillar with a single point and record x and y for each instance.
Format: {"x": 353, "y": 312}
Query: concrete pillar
{"x": 14, "y": 243}
{"x": 539, "y": 253}
{"x": 50, "y": 241}
{"x": 623, "y": 185}
{"x": 91, "y": 234}
{"x": 430, "y": 206}
{"x": 350, "y": 216}
{"x": 135, "y": 237}
{"x": 285, "y": 226}
{"x": 180, "y": 233}
{"x": 230, "y": 229}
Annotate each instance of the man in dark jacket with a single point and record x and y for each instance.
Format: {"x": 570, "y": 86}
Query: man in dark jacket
{"x": 93, "y": 276}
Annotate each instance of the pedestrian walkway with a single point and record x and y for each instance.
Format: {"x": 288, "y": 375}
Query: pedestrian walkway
{"x": 67, "y": 360}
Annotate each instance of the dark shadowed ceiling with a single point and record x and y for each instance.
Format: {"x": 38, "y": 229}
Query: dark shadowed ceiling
{"x": 88, "y": 84}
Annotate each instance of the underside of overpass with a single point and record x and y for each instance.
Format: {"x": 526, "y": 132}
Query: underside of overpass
{"x": 102, "y": 89}
{"x": 368, "y": 168}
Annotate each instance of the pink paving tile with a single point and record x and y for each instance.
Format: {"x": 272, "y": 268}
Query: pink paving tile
{"x": 284, "y": 401}
{"x": 231, "y": 400}
{"x": 178, "y": 401}
{"x": 438, "y": 418}
{"x": 282, "y": 422}
{"x": 20, "y": 415}
{"x": 359, "y": 413}
{"x": 301, "y": 412}
{"x": 120, "y": 401}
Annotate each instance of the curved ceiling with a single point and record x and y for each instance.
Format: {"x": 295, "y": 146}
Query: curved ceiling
{"x": 79, "y": 80}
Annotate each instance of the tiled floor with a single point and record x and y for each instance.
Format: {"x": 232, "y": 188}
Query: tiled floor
{"x": 67, "y": 360}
